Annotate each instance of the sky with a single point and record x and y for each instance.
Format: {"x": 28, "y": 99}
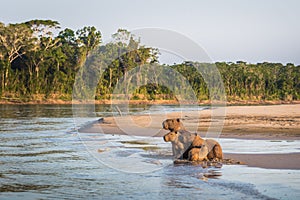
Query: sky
{"x": 252, "y": 31}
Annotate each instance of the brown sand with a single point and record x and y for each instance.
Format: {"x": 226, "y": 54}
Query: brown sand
{"x": 247, "y": 122}
{"x": 269, "y": 161}
{"x": 278, "y": 122}
{"x": 264, "y": 122}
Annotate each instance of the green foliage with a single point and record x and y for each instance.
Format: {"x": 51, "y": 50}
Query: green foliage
{"x": 34, "y": 62}
{"x": 37, "y": 63}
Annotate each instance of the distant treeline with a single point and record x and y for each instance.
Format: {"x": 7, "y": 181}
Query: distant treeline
{"x": 39, "y": 61}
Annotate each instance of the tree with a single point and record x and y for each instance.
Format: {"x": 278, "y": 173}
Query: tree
{"x": 88, "y": 39}
{"x": 16, "y": 40}
{"x": 40, "y": 58}
{"x": 36, "y": 62}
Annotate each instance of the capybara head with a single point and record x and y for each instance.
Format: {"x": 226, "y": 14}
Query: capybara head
{"x": 172, "y": 124}
{"x": 171, "y": 136}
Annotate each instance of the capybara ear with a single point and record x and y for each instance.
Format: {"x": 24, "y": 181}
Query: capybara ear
{"x": 165, "y": 125}
{"x": 178, "y": 120}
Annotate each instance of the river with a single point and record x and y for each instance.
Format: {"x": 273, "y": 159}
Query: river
{"x": 43, "y": 157}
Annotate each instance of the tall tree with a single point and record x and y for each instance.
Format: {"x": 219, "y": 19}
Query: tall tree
{"x": 88, "y": 39}
{"x": 40, "y": 58}
{"x": 16, "y": 40}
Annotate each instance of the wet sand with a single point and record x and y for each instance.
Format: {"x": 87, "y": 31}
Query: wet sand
{"x": 258, "y": 122}
{"x": 273, "y": 122}
{"x": 268, "y": 161}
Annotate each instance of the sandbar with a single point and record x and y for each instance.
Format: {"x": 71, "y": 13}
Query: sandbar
{"x": 268, "y": 122}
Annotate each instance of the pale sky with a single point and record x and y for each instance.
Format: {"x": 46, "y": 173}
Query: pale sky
{"x": 229, "y": 30}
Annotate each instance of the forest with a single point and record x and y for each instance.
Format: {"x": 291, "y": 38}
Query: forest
{"x": 40, "y": 61}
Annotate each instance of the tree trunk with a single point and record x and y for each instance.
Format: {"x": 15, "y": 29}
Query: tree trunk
{"x": 110, "y": 77}
{"x": 6, "y": 77}
{"x": 37, "y": 71}
{"x": 2, "y": 83}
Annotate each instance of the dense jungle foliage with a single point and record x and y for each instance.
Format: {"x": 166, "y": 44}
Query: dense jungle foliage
{"x": 39, "y": 61}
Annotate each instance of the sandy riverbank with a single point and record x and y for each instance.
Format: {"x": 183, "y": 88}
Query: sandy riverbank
{"x": 17, "y": 101}
{"x": 273, "y": 122}
{"x": 269, "y": 161}
{"x": 253, "y": 122}
{"x": 257, "y": 122}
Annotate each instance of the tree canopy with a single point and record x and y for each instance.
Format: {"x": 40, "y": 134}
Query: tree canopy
{"x": 39, "y": 61}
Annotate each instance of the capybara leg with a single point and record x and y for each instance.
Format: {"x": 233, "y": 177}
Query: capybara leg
{"x": 193, "y": 155}
{"x": 211, "y": 155}
{"x": 186, "y": 154}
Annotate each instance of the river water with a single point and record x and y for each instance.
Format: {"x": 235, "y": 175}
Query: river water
{"x": 43, "y": 157}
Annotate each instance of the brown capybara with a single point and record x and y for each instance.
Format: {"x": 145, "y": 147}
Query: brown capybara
{"x": 213, "y": 147}
{"x": 198, "y": 153}
{"x": 193, "y": 147}
{"x": 198, "y": 150}
{"x": 186, "y": 145}
{"x": 215, "y": 150}
{"x": 173, "y": 125}
{"x": 180, "y": 143}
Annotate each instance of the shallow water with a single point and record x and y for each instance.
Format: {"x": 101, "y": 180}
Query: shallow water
{"x": 260, "y": 146}
{"x": 42, "y": 157}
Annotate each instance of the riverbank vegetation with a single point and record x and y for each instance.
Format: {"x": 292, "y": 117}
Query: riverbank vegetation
{"x": 39, "y": 61}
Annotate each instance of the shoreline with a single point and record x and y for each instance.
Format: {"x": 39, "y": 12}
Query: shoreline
{"x": 288, "y": 161}
{"x": 149, "y": 102}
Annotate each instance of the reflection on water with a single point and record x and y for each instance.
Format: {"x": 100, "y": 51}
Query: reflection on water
{"x": 42, "y": 157}
{"x": 22, "y": 188}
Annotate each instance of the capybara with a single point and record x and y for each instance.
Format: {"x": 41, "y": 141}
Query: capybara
{"x": 173, "y": 125}
{"x": 180, "y": 143}
{"x": 213, "y": 148}
{"x": 186, "y": 145}
{"x": 198, "y": 150}
{"x": 198, "y": 153}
